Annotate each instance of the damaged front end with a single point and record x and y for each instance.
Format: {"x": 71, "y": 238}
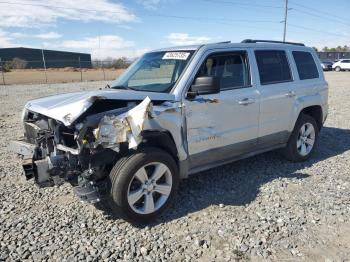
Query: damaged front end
{"x": 82, "y": 151}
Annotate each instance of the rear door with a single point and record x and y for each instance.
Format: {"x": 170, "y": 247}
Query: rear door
{"x": 277, "y": 95}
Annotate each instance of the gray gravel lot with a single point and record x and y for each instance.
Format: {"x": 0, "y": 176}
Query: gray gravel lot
{"x": 259, "y": 208}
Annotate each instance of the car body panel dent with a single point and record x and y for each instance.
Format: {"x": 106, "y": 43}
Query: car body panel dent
{"x": 78, "y": 137}
{"x": 69, "y": 107}
{"x": 128, "y": 127}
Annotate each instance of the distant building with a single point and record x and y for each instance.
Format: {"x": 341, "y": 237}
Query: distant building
{"x": 53, "y": 59}
{"x": 333, "y": 55}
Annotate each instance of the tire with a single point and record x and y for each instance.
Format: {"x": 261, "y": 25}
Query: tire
{"x": 338, "y": 69}
{"x": 126, "y": 178}
{"x": 298, "y": 147}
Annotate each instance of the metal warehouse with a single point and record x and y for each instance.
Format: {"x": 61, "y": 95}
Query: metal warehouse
{"x": 333, "y": 55}
{"x": 39, "y": 58}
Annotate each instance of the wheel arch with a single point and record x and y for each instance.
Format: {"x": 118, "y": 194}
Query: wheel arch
{"x": 315, "y": 111}
{"x": 165, "y": 141}
{"x": 162, "y": 140}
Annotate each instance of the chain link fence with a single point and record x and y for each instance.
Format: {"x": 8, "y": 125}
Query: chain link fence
{"x": 19, "y": 71}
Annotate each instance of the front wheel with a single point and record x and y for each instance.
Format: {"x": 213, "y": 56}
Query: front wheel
{"x": 338, "y": 69}
{"x": 302, "y": 141}
{"x": 143, "y": 184}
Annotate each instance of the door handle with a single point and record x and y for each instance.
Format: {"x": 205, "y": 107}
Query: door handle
{"x": 290, "y": 94}
{"x": 246, "y": 101}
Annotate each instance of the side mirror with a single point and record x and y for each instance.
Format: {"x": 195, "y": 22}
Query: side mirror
{"x": 204, "y": 85}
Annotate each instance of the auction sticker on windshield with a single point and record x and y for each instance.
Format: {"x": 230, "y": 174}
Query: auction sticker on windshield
{"x": 176, "y": 55}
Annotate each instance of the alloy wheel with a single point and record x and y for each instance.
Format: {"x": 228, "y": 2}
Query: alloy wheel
{"x": 306, "y": 139}
{"x": 149, "y": 188}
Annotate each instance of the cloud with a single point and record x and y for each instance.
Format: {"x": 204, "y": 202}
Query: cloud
{"x": 17, "y": 35}
{"x": 8, "y": 39}
{"x": 49, "y": 35}
{"x": 5, "y": 39}
{"x": 185, "y": 39}
{"x": 150, "y": 4}
{"x": 37, "y": 13}
{"x": 330, "y": 41}
{"x": 130, "y": 53}
{"x": 102, "y": 42}
{"x": 101, "y": 47}
{"x": 105, "y": 46}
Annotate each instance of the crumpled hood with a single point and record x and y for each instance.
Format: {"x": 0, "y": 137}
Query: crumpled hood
{"x": 68, "y": 107}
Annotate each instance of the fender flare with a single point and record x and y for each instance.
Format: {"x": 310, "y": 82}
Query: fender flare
{"x": 300, "y": 104}
{"x": 164, "y": 140}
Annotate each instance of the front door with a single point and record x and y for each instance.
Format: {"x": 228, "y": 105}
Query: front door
{"x": 222, "y": 126}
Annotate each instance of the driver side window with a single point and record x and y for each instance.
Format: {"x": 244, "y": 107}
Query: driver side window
{"x": 231, "y": 68}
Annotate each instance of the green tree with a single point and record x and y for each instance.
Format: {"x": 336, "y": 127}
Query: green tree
{"x": 120, "y": 63}
{"x": 339, "y": 48}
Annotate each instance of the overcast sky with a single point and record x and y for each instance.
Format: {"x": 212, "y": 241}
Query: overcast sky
{"x": 110, "y": 28}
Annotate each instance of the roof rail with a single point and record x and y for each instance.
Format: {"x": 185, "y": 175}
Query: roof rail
{"x": 223, "y": 42}
{"x": 270, "y": 41}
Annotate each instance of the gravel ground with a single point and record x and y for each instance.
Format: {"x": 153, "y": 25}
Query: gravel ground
{"x": 261, "y": 208}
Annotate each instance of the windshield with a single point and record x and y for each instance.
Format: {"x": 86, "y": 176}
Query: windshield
{"x": 154, "y": 72}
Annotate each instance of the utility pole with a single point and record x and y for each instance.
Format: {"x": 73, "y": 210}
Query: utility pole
{"x": 285, "y": 21}
{"x": 99, "y": 52}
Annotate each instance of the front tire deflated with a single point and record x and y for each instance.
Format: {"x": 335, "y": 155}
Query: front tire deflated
{"x": 142, "y": 185}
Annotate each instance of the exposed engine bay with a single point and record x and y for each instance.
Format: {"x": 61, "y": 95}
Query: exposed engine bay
{"x": 84, "y": 152}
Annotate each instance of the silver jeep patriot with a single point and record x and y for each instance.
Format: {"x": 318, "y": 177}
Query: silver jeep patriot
{"x": 172, "y": 113}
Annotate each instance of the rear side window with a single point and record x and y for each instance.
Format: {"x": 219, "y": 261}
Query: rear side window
{"x": 306, "y": 66}
{"x": 273, "y": 66}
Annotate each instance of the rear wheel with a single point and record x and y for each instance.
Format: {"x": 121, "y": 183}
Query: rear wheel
{"x": 143, "y": 185}
{"x": 338, "y": 69}
{"x": 303, "y": 139}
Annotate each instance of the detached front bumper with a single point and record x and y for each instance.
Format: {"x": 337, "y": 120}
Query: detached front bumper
{"x": 32, "y": 166}
{"x": 22, "y": 148}
{"x": 27, "y": 151}
{"x": 46, "y": 171}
